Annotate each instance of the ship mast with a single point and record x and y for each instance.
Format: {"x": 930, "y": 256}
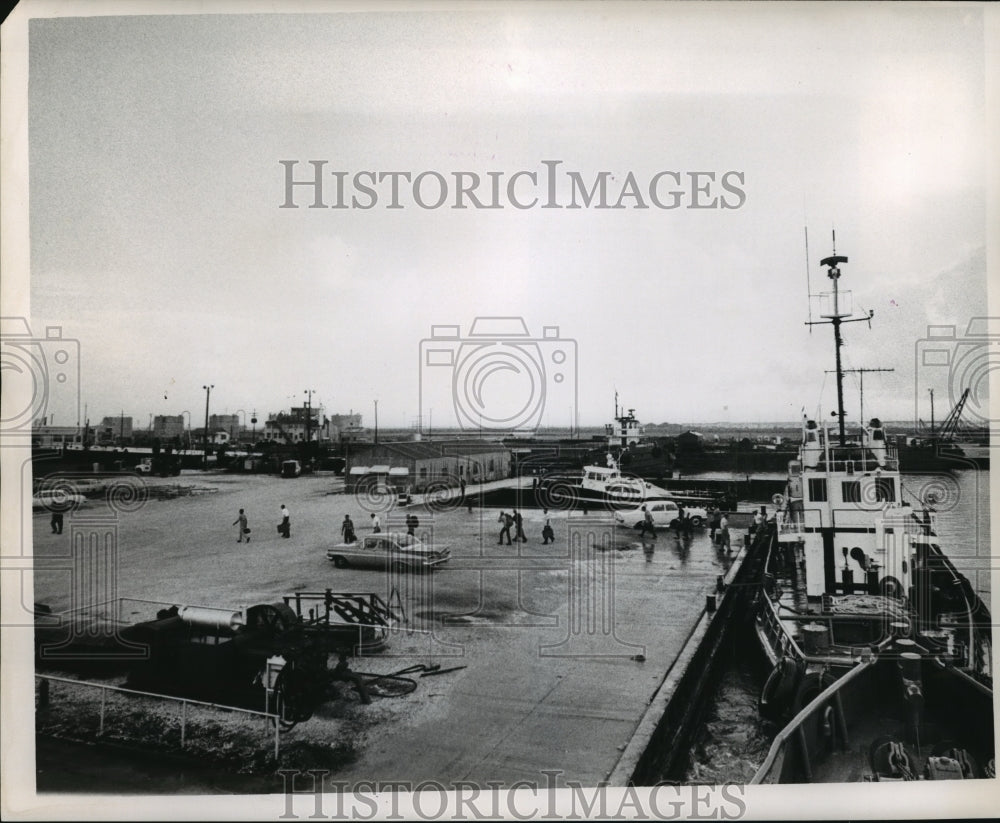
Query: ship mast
{"x": 835, "y": 318}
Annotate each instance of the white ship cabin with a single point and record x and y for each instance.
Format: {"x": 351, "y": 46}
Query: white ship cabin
{"x": 844, "y": 513}
{"x": 625, "y": 431}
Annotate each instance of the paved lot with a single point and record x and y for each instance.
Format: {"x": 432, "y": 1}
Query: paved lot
{"x": 547, "y": 634}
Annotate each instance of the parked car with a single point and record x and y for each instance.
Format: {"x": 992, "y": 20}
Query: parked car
{"x": 56, "y": 500}
{"x": 291, "y": 468}
{"x": 402, "y": 552}
{"x": 664, "y": 512}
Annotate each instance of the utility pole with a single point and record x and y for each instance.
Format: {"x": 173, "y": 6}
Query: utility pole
{"x": 208, "y": 394}
{"x": 376, "y": 422}
{"x": 932, "y": 411}
{"x": 309, "y": 394}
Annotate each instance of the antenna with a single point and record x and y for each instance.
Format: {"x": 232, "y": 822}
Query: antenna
{"x": 862, "y": 372}
{"x": 808, "y": 285}
{"x": 836, "y": 317}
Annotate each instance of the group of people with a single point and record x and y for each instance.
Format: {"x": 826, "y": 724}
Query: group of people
{"x": 515, "y": 521}
{"x": 242, "y": 522}
{"x": 285, "y": 526}
{"x": 718, "y": 525}
{"x": 718, "y": 528}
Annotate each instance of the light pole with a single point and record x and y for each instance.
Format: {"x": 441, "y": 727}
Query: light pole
{"x": 376, "y": 422}
{"x": 308, "y": 393}
{"x": 208, "y": 394}
{"x": 253, "y": 421}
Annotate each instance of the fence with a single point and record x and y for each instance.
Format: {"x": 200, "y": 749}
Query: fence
{"x": 45, "y": 697}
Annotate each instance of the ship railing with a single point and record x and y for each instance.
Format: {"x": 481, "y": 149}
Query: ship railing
{"x": 781, "y": 642}
{"x": 860, "y": 460}
{"x": 791, "y": 527}
{"x": 781, "y": 757}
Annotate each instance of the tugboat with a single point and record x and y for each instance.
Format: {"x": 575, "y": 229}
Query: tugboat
{"x": 852, "y": 570}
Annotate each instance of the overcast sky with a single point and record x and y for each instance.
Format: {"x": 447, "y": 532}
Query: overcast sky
{"x": 157, "y": 239}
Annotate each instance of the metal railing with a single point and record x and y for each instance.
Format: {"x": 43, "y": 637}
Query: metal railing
{"x": 184, "y": 701}
{"x": 795, "y": 730}
{"x": 782, "y": 642}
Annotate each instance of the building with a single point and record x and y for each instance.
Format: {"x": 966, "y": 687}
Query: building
{"x": 297, "y": 425}
{"x": 225, "y": 422}
{"x": 423, "y": 464}
{"x": 113, "y": 430}
{"x": 168, "y": 426}
{"x": 56, "y": 437}
{"x": 345, "y": 428}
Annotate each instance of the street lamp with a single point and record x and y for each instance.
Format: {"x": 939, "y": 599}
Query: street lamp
{"x": 309, "y": 393}
{"x": 208, "y": 394}
{"x": 253, "y": 421}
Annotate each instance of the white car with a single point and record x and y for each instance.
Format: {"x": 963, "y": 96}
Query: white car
{"x": 664, "y": 512}
{"x": 401, "y": 552}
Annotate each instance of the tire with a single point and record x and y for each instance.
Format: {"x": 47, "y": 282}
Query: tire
{"x": 638, "y": 525}
{"x": 780, "y": 688}
{"x": 339, "y": 561}
{"x": 697, "y": 522}
{"x": 809, "y": 688}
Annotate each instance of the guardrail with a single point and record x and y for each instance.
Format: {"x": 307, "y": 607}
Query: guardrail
{"x": 184, "y": 701}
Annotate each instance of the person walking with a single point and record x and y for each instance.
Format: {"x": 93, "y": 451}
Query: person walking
{"x": 506, "y": 522}
{"x": 347, "y": 530}
{"x": 376, "y": 524}
{"x": 57, "y": 522}
{"x": 285, "y": 527}
{"x": 461, "y": 485}
{"x": 647, "y": 523}
{"x": 548, "y": 535}
{"x": 713, "y": 522}
{"x": 412, "y": 521}
{"x": 724, "y": 533}
{"x": 241, "y": 519}
{"x": 519, "y": 527}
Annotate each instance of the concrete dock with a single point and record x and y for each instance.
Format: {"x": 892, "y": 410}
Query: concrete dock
{"x": 569, "y": 649}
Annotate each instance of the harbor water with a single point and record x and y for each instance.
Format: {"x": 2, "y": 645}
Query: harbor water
{"x": 733, "y": 740}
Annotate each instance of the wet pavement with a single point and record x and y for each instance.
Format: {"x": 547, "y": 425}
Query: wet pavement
{"x": 563, "y": 645}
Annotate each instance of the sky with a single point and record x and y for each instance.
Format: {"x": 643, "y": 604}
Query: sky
{"x": 158, "y": 241}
